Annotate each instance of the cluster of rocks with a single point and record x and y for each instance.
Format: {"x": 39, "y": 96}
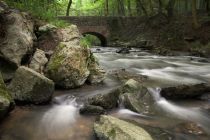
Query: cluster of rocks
{"x": 30, "y": 70}
{"x": 137, "y": 98}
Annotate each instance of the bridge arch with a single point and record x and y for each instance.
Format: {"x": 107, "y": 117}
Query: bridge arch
{"x": 101, "y": 37}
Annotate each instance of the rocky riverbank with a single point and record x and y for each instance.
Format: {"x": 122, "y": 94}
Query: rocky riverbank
{"x": 31, "y": 68}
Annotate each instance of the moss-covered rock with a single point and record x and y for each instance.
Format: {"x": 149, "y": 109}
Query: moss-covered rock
{"x": 68, "y": 66}
{"x": 6, "y": 101}
{"x": 30, "y": 86}
{"x": 110, "y": 128}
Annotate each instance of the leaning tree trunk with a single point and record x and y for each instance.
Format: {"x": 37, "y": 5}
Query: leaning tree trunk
{"x": 194, "y": 14}
{"x": 68, "y": 7}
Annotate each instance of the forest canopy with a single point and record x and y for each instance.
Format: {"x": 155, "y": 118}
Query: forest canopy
{"x": 49, "y": 9}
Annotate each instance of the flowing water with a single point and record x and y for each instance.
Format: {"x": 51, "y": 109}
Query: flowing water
{"x": 178, "y": 120}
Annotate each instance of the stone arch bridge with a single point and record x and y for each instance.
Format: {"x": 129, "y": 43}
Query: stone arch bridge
{"x": 108, "y": 29}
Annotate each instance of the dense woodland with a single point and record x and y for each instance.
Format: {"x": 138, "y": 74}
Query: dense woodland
{"x": 174, "y": 20}
{"x": 49, "y": 8}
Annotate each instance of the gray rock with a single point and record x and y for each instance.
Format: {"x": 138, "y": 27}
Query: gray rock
{"x": 30, "y": 86}
{"x": 107, "y": 100}
{"x": 140, "y": 104}
{"x": 68, "y": 66}
{"x": 38, "y": 61}
{"x": 18, "y": 41}
{"x": 47, "y": 28}
{"x": 137, "y": 98}
{"x": 185, "y": 91}
{"x": 110, "y": 128}
{"x": 97, "y": 74}
{"x": 92, "y": 110}
{"x": 7, "y": 69}
{"x": 131, "y": 86}
{"x": 6, "y": 101}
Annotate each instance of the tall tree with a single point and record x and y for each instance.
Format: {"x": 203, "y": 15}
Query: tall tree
{"x": 194, "y": 14}
{"x": 160, "y": 6}
{"x": 106, "y": 8}
{"x": 170, "y": 8}
{"x": 139, "y": 7}
{"x": 68, "y": 8}
{"x": 129, "y": 7}
{"x": 120, "y": 7}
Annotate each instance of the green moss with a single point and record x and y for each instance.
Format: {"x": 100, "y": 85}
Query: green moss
{"x": 3, "y": 90}
{"x": 56, "y": 59}
{"x": 112, "y": 133}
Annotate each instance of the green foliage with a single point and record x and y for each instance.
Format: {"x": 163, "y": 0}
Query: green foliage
{"x": 84, "y": 42}
{"x": 89, "y": 41}
{"x": 41, "y": 9}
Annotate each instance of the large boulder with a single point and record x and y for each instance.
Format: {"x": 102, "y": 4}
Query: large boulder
{"x": 137, "y": 98}
{"x": 6, "y": 101}
{"x": 110, "y": 128}
{"x": 18, "y": 40}
{"x": 30, "y": 86}
{"x": 38, "y": 61}
{"x": 185, "y": 91}
{"x": 70, "y": 63}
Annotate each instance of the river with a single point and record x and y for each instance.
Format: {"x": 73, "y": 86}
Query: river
{"x": 176, "y": 120}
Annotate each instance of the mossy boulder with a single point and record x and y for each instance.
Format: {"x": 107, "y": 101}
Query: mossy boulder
{"x": 6, "y": 101}
{"x": 29, "y": 86}
{"x": 68, "y": 66}
{"x": 111, "y": 128}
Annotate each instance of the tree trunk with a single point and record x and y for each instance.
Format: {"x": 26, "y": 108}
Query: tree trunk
{"x": 106, "y": 8}
{"x": 121, "y": 8}
{"x": 129, "y": 8}
{"x": 160, "y": 5}
{"x": 194, "y": 14}
{"x": 139, "y": 7}
{"x": 170, "y": 8}
{"x": 68, "y": 7}
{"x": 207, "y": 6}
